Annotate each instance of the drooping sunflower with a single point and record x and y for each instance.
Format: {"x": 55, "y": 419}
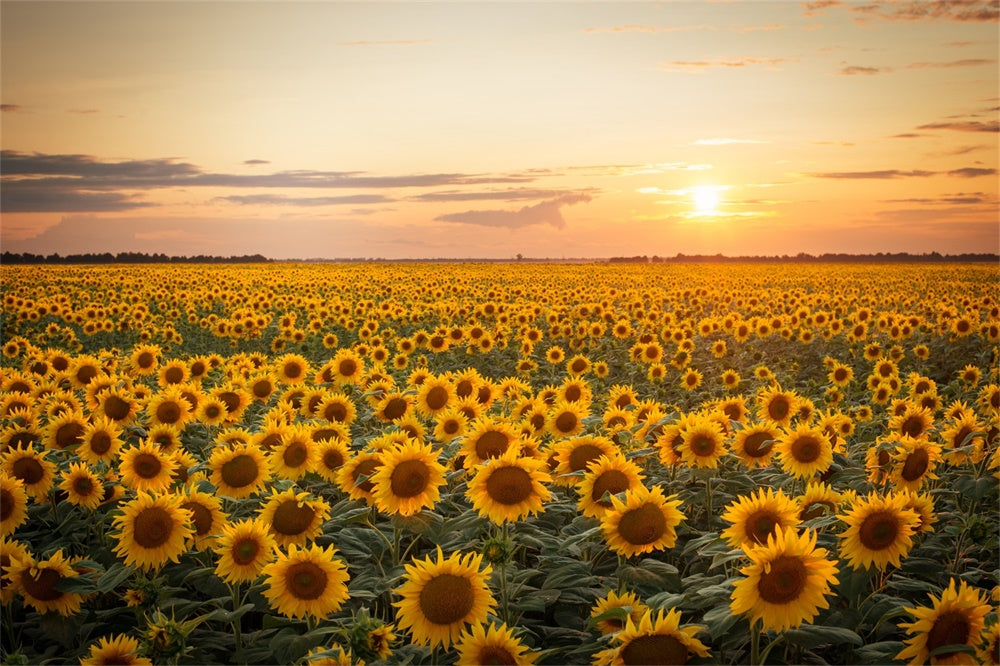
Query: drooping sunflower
{"x": 239, "y": 471}
{"x": 629, "y": 604}
{"x": 146, "y": 468}
{"x": 804, "y": 452}
{"x": 494, "y": 645}
{"x": 441, "y": 597}
{"x": 294, "y": 517}
{"x": 355, "y": 475}
{"x": 509, "y": 487}
{"x": 914, "y": 461}
{"x": 116, "y": 649}
{"x": 82, "y": 486}
{"x": 754, "y": 445}
{"x": 776, "y": 405}
{"x": 786, "y": 581}
{"x": 753, "y": 519}
{"x": 954, "y": 618}
{"x": 657, "y": 638}
{"x": 244, "y": 548}
{"x": 207, "y": 517}
{"x": 641, "y": 523}
{"x": 152, "y": 530}
{"x": 409, "y": 479}
{"x": 879, "y": 531}
{"x": 701, "y": 443}
{"x": 13, "y": 504}
{"x": 306, "y": 582}
{"x": 607, "y": 475}
{"x": 962, "y": 441}
{"x": 32, "y": 468}
{"x": 574, "y": 454}
{"x": 488, "y": 438}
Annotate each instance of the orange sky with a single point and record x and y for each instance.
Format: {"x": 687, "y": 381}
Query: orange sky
{"x": 567, "y": 129}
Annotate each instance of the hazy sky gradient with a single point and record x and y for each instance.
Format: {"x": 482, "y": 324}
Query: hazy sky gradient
{"x": 568, "y": 129}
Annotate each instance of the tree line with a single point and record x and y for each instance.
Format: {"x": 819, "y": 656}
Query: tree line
{"x": 127, "y": 258}
{"x": 802, "y": 257}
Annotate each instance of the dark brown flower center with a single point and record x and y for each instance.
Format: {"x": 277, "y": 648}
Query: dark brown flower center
{"x": 100, "y": 442}
{"x": 365, "y": 468}
{"x": 446, "y": 598}
{"x": 879, "y": 530}
{"x": 582, "y": 455}
{"x": 509, "y": 485}
{"x": 83, "y": 486}
{"x": 147, "y": 465}
{"x": 168, "y": 412}
{"x": 7, "y": 504}
{"x": 950, "y": 628}
{"x": 655, "y": 650}
{"x": 916, "y": 464}
{"x": 335, "y": 412}
{"x": 306, "y": 580}
{"x": 806, "y": 449}
{"x": 245, "y": 550}
{"x": 566, "y": 422}
{"x": 642, "y": 525}
{"x": 42, "y": 587}
{"x": 291, "y": 519}
{"x": 116, "y": 409}
{"x": 758, "y": 444}
{"x": 295, "y": 454}
{"x": 332, "y": 459}
{"x": 912, "y": 426}
{"x": 230, "y": 399}
{"x": 702, "y": 445}
{"x": 201, "y": 517}
{"x": 241, "y": 471}
{"x": 173, "y": 375}
{"x": 145, "y": 360}
{"x": 395, "y": 408}
{"x": 784, "y": 582}
{"x": 69, "y": 434}
{"x": 437, "y": 397}
{"x": 348, "y": 367}
{"x": 778, "y": 408}
{"x": 612, "y": 482}
{"x": 491, "y": 444}
{"x": 29, "y": 470}
{"x": 152, "y": 527}
{"x": 410, "y": 478}
{"x": 761, "y": 524}
{"x": 292, "y": 370}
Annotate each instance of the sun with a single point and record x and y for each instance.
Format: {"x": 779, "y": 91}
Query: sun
{"x": 706, "y": 199}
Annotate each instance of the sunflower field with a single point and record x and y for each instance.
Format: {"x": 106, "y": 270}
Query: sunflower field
{"x": 500, "y": 464}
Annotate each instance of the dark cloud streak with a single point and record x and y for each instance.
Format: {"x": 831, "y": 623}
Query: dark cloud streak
{"x": 547, "y": 212}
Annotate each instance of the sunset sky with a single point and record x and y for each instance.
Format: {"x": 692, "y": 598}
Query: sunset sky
{"x": 468, "y": 129}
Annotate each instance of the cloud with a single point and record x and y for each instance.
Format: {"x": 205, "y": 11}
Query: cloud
{"x": 929, "y": 10}
{"x": 84, "y": 112}
{"x": 817, "y": 6}
{"x": 721, "y": 63}
{"x": 255, "y": 162}
{"x": 10, "y": 107}
{"x": 648, "y": 29}
{"x": 512, "y": 194}
{"x": 15, "y": 199}
{"x": 547, "y": 212}
{"x": 278, "y": 200}
{"x": 961, "y": 198}
{"x": 876, "y": 175}
{"x": 965, "y": 126}
{"x": 971, "y": 172}
{"x": 724, "y": 141}
{"x": 907, "y": 135}
{"x": 853, "y": 70}
{"x": 856, "y": 70}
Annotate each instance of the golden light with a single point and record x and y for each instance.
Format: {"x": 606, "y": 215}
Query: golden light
{"x": 706, "y": 199}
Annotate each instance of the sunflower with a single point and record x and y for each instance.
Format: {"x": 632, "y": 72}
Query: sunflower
{"x": 565, "y": 419}
{"x": 145, "y": 467}
{"x": 306, "y": 582}
{"x": 629, "y": 604}
{"x": 169, "y": 408}
{"x": 690, "y": 379}
{"x": 914, "y": 421}
{"x": 117, "y": 649}
{"x": 641, "y": 523}
{"x": 152, "y": 530}
{"x": 954, "y": 618}
{"x": 439, "y": 598}
{"x": 819, "y": 499}
{"x": 31, "y": 468}
{"x": 83, "y": 370}
{"x": 166, "y": 438}
{"x": 758, "y": 516}
{"x": 509, "y": 487}
{"x": 913, "y": 462}
{"x": 172, "y": 372}
{"x": 701, "y": 443}
{"x": 965, "y": 433}
{"x": 82, "y": 486}
{"x": 144, "y": 359}
{"x": 337, "y": 408}
{"x": 435, "y": 395}
{"x": 573, "y": 455}
{"x": 211, "y": 411}
{"x": 730, "y": 379}
{"x": 13, "y": 504}
{"x": 354, "y": 477}
{"x": 840, "y": 375}
{"x": 238, "y": 471}
{"x": 923, "y": 505}
{"x": 331, "y": 453}
{"x": 575, "y": 390}
{"x": 989, "y": 652}
{"x": 409, "y": 479}
{"x": 36, "y": 581}
{"x": 261, "y": 386}
{"x": 347, "y": 367}
{"x": 488, "y": 438}
{"x": 294, "y": 518}
{"x": 244, "y": 548}
{"x": 879, "y": 531}
{"x": 656, "y": 638}
{"x": 804, "y": 452}
{"x": 296, "y": 455}
{"x": 449, "y": 424}
{"x": 754, "y": 445}
{"x": 776, "y": 405}
{"x": 235, "y": 398}
{"x": 493, "y": 645}
{"x": 608, "y": 475}
{"x": 118, "y": 405}
{"x": 207, "y": 516}
{"x": 786, "y": 581}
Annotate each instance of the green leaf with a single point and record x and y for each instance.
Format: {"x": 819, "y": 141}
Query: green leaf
{"x": 811, "y": 635}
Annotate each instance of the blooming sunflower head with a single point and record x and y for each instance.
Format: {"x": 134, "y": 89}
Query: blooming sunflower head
{"x": 879, "y": 531}
{"x": 306, "y": 582}
{"x": 753, "y": 519}
{"x": 409, "y": 479}
{"x": 642, "y": 522}
{"x": 954, "y": 618}
{"x": 509, "y": 488}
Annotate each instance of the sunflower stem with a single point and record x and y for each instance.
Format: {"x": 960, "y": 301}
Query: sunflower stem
{"x": 396, "y": 536}
{"x": 503, "y": 579}
{"x": 237, "y": 622}
{"x": 754, "y": 644}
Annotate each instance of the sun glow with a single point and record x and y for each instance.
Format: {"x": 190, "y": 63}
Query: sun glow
{"x": 706, "y": 199}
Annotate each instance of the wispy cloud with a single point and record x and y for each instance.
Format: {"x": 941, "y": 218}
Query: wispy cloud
{"x": 84, "y": 112}
{"x": 255, "y": 162}
{"x": 886, "y": 174}
{"x": 721, "y": 63}
{"x": 964, "y": 126}
{"x": 859, "y": 70}
{"x": 510, "y": 194}
{"x": 664, "y": 167}
{"x": 854, "y": 70}
{"x": 929, "y": 10}
{"x": 959, "y": 199}
{"x": 818, "y": 6}
{"x": 971, "y": 172}
{"x": 7, "y": 108}
{"x": 23, "y": 200}
{"x": 279, "y": 200}
{"x": 547, "y": 212}
{"x": 724, "y": 141}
